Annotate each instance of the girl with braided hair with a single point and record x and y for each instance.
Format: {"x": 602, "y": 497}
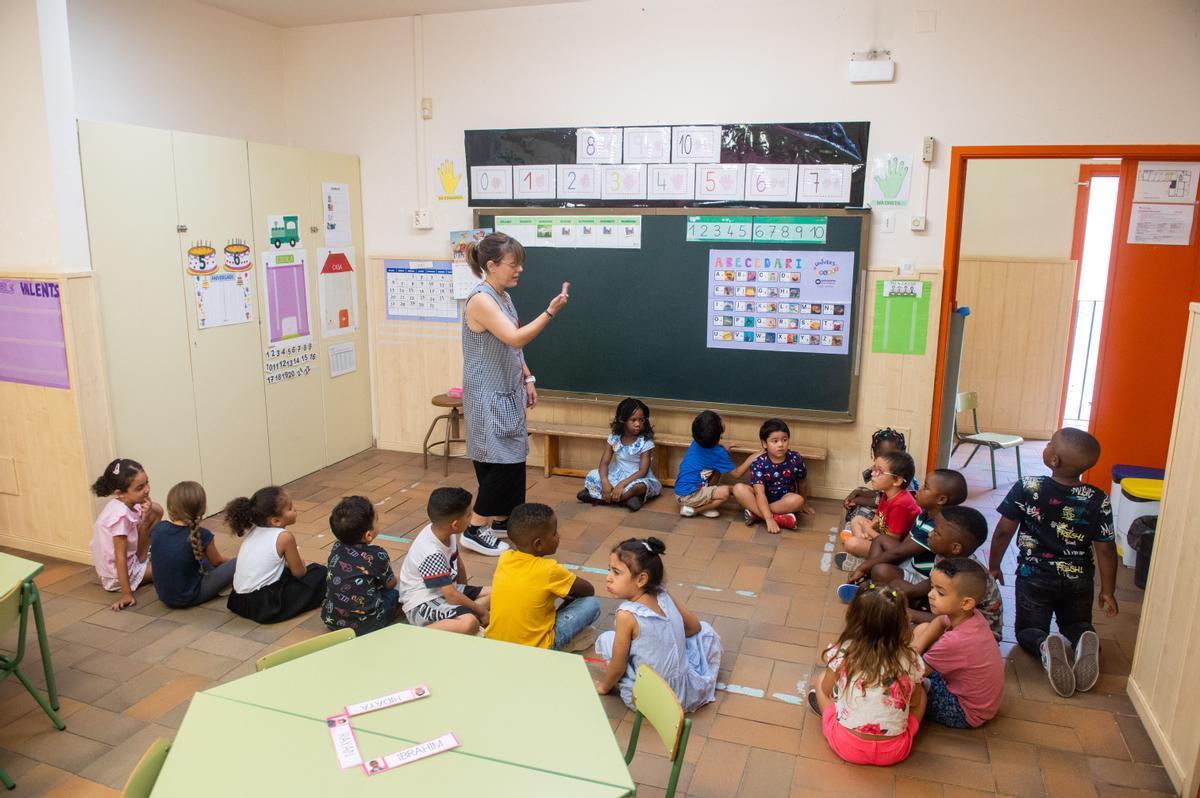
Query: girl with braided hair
{"x": 188, "y": 568}
{"x": 862, "y": 501}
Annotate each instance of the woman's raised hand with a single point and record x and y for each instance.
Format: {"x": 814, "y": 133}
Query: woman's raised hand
{"x": 558, "y": 301}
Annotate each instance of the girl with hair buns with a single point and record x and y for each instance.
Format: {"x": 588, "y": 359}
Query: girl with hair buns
{"x": 498, "y": 386}
{"x": 121, "y": 533}
{"x": 653, "y": 629}
{"x": 188, "y": 568}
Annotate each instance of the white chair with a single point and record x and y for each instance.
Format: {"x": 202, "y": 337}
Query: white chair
{"x": 993, "y": 440}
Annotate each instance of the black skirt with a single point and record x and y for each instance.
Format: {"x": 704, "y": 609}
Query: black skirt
{"x": 501, "y": 488}
{"x": 283, "y": 599}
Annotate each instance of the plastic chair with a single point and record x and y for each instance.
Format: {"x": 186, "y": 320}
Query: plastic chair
{"x": 653, "y": 698}
{"x": 992, "y": 440}
{"x": 298, "y": 650}
{"x": 452, "y": 419}
{"x": 145, "y": 772}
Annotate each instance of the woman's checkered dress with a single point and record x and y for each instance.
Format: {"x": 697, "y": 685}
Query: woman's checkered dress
{"x": 493, "y": 390}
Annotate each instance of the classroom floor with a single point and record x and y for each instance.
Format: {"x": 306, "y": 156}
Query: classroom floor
{"x": 126, "y": 678}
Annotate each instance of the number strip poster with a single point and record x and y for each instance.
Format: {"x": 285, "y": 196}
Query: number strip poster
{"x": 780, "y": 300}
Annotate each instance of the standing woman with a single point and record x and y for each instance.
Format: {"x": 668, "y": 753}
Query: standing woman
{"x": 498, "y": 386}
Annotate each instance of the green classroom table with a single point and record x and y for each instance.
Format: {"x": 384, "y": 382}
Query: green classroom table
{"x": 15, "y": 571}
{"x": 528, "y": 721}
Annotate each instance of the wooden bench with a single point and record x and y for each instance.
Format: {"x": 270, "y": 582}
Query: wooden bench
{"x": 665, "y": 445}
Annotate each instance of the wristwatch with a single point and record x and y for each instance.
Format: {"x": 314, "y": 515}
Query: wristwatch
{"x": 530, "y": 380}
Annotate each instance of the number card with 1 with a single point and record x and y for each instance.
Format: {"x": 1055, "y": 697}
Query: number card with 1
{"x": 771, "y": 182}
{"x": 696, "y": 144}
{"x": 647, "y": 144}
{"x": 598, "y": 145}
{"x": 824, "y": 183}
{"x": 623, "y": 182}
{"x": 719, "y": 228}
{"x": 578, "y": 181}
{"x": 667, "y": 181}
{"x": 534, "y": 182}
{"x": 724, "y": 182}
{"x": 491, "y": 182}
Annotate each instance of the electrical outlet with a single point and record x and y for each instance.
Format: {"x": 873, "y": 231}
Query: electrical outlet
{"x": 887, "y": 222}
{"x": 917, "y": 223}
{"x": 423, "y": 220}
{"x": 907, "y": 266}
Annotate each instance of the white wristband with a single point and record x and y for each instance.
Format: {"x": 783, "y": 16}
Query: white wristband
{"x": 530, "y": 380}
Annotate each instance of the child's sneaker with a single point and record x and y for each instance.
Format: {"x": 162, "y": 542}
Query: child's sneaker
{"x": 584, "y": 640}
{"x": 711, "y": 513}
{"x": 846, "y": 561}
{"x": 1087, "y": 661}
{"x": 634, "y": 503}
{"x": 749, "y": 518}
{"x": 847, "y": 592}
{"x": 813, "y": 703}
{"x": 1057, "y": 663}
{"x": 785, "y": 520}
{"x": 480, "y": 539}
{"x": 686, "y": 511}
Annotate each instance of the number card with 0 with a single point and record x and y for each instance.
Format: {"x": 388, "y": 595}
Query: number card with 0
{"x": 578, "y": 181}
{"x": 534, "y": 182}
{"x": 491, "y": 182}
{"x": 696, "y": 144}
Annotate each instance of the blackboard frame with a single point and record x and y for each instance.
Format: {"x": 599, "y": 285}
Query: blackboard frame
{"x": 731, "y": 409}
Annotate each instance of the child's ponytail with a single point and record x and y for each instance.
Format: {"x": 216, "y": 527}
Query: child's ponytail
{"x": 117, "y": 476}
{"x": 493, "y": 247}
{"x": 243, "y": 514}
{"x": 188, "y": 502}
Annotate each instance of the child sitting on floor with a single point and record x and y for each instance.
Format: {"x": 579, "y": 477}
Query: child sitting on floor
{"x": 870, "y": 697}
{"x": 271, "y": 583}
{"x": 527, "y": 583}
{"x": 777, "y": 479}
{"x": 1062, "y": 521}
{"x": 653, "y": 629}
{"x": 862, "y": 501}
{"x": 896, "y": 511}
{"x": 625, "y": 475}
{"x": 121, "y": 533}
{"x": 433, "y": 578}
{"x": 697, "y": 488}
{"x": 962, "y": 658}
{"x": 188, "y": 567}
{"x": 360, "y": 588}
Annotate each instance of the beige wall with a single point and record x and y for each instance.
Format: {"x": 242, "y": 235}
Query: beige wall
{"x": 1020, "y": 208}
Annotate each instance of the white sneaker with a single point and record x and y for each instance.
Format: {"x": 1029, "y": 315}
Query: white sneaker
{"x": 482, "y": 541}
{"x": 1056, "y": 660}
{"x": 1087, "y": 662}
{"x": 686, "y": 511}
{"x": 711, "y": 513}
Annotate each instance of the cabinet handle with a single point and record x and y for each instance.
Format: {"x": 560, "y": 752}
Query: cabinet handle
{"x": 313, "y": 229}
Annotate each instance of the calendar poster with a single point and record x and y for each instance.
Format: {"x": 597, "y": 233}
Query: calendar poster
{"x": 780, "y": 300}
{"x": 420, "y": 290}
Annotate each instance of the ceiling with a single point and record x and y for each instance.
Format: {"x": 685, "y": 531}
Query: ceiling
{"x": 301, "y": 13}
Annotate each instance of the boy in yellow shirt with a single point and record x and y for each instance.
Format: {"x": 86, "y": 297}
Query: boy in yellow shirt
{"x": 527, "y": 583}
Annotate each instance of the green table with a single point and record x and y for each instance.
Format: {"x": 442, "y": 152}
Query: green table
{"x": 16, "y": 571}
{"x": 528, "y": 720}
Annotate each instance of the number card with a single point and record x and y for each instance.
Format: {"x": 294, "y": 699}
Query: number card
{"x": 598, "y": 145}
{"x": 578, "y": 181}
{"x": 696, "y": 144}
{"x": 533, "y": 182}
{"x": 791, "y": 229}
{"x": 647, "y": 144}
{"x": 623, "y": 182}
{"x": 668, "y": 181}
{"x": 719, "y": 228}
{"x": 771, "y": 182}
{"x": 491, "y": 182}
{"x": 724, "y": 182}
{"x": 824, "y": 183}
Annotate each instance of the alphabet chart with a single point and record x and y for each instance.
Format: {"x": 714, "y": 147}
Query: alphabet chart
{"x": 420, "y": 290}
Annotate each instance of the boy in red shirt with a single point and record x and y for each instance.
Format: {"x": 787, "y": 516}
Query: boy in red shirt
{"x": 890, "y": 475}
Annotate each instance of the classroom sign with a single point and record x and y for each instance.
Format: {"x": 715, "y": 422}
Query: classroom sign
{"x": 33, "y": 348}
{"x": 780, "y": 300}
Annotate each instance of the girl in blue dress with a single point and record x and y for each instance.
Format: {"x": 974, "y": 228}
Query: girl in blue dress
{"x": 625, "y": 475}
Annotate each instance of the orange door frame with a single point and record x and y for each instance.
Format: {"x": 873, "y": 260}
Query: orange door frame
{"x": 954, "y": 206}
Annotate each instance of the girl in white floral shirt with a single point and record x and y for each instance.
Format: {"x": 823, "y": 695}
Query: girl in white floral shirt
{"x": 870, "y": 698}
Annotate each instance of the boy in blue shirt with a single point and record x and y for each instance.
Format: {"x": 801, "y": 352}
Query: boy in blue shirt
{"x": 697, "y": 487}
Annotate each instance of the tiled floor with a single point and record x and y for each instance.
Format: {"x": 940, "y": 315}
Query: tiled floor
{"x": 126, "y": 678}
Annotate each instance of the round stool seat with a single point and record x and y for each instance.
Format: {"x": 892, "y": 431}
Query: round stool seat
{"x": 445, "y": 400}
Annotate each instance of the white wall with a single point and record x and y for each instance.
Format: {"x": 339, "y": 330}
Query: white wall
{"x": 178, "y": 65}
{"x": 1020, "y": 208}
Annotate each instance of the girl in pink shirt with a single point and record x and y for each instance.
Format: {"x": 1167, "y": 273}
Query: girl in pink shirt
{"x": 121, "y": 534}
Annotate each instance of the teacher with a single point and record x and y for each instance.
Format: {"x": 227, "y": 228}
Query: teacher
{"x": 498, "y": 386}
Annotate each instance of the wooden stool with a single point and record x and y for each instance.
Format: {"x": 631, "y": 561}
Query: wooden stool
{"x": 452, "y": 420}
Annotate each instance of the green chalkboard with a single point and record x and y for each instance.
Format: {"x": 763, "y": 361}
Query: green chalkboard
{"x": 639, "y": 321}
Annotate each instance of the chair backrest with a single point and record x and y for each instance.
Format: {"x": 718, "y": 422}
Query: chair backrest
{"x": 655, "y": 699}
{"x": 305, "y": 647}
{"x": 145, "y": 773}
{"x": 968, "y": 400}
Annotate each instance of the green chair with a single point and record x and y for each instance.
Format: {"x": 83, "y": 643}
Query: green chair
{"x": 145, "y": 772}
{"x": 654, "y": 699}
{"x": 993, "y": 440}
{"x": 14, "y": 608}
{"x": 298, "y": 650}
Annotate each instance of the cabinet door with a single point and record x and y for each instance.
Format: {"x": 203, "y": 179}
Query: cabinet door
{"x": 129, "y": 188}
{"x": 213, "y": 188}
{"x": 348, "y": 427}
{"x": 295, "y": 404}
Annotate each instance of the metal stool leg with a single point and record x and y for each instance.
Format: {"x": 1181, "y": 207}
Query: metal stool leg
{"x": 1019, "y": 477}
{"x": 446, "y": 444}
{"x": 425, "y": 444}
{"x": 992, "y": 454}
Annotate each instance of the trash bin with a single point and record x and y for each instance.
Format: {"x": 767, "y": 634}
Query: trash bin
{"x": 1141, "y": 540}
